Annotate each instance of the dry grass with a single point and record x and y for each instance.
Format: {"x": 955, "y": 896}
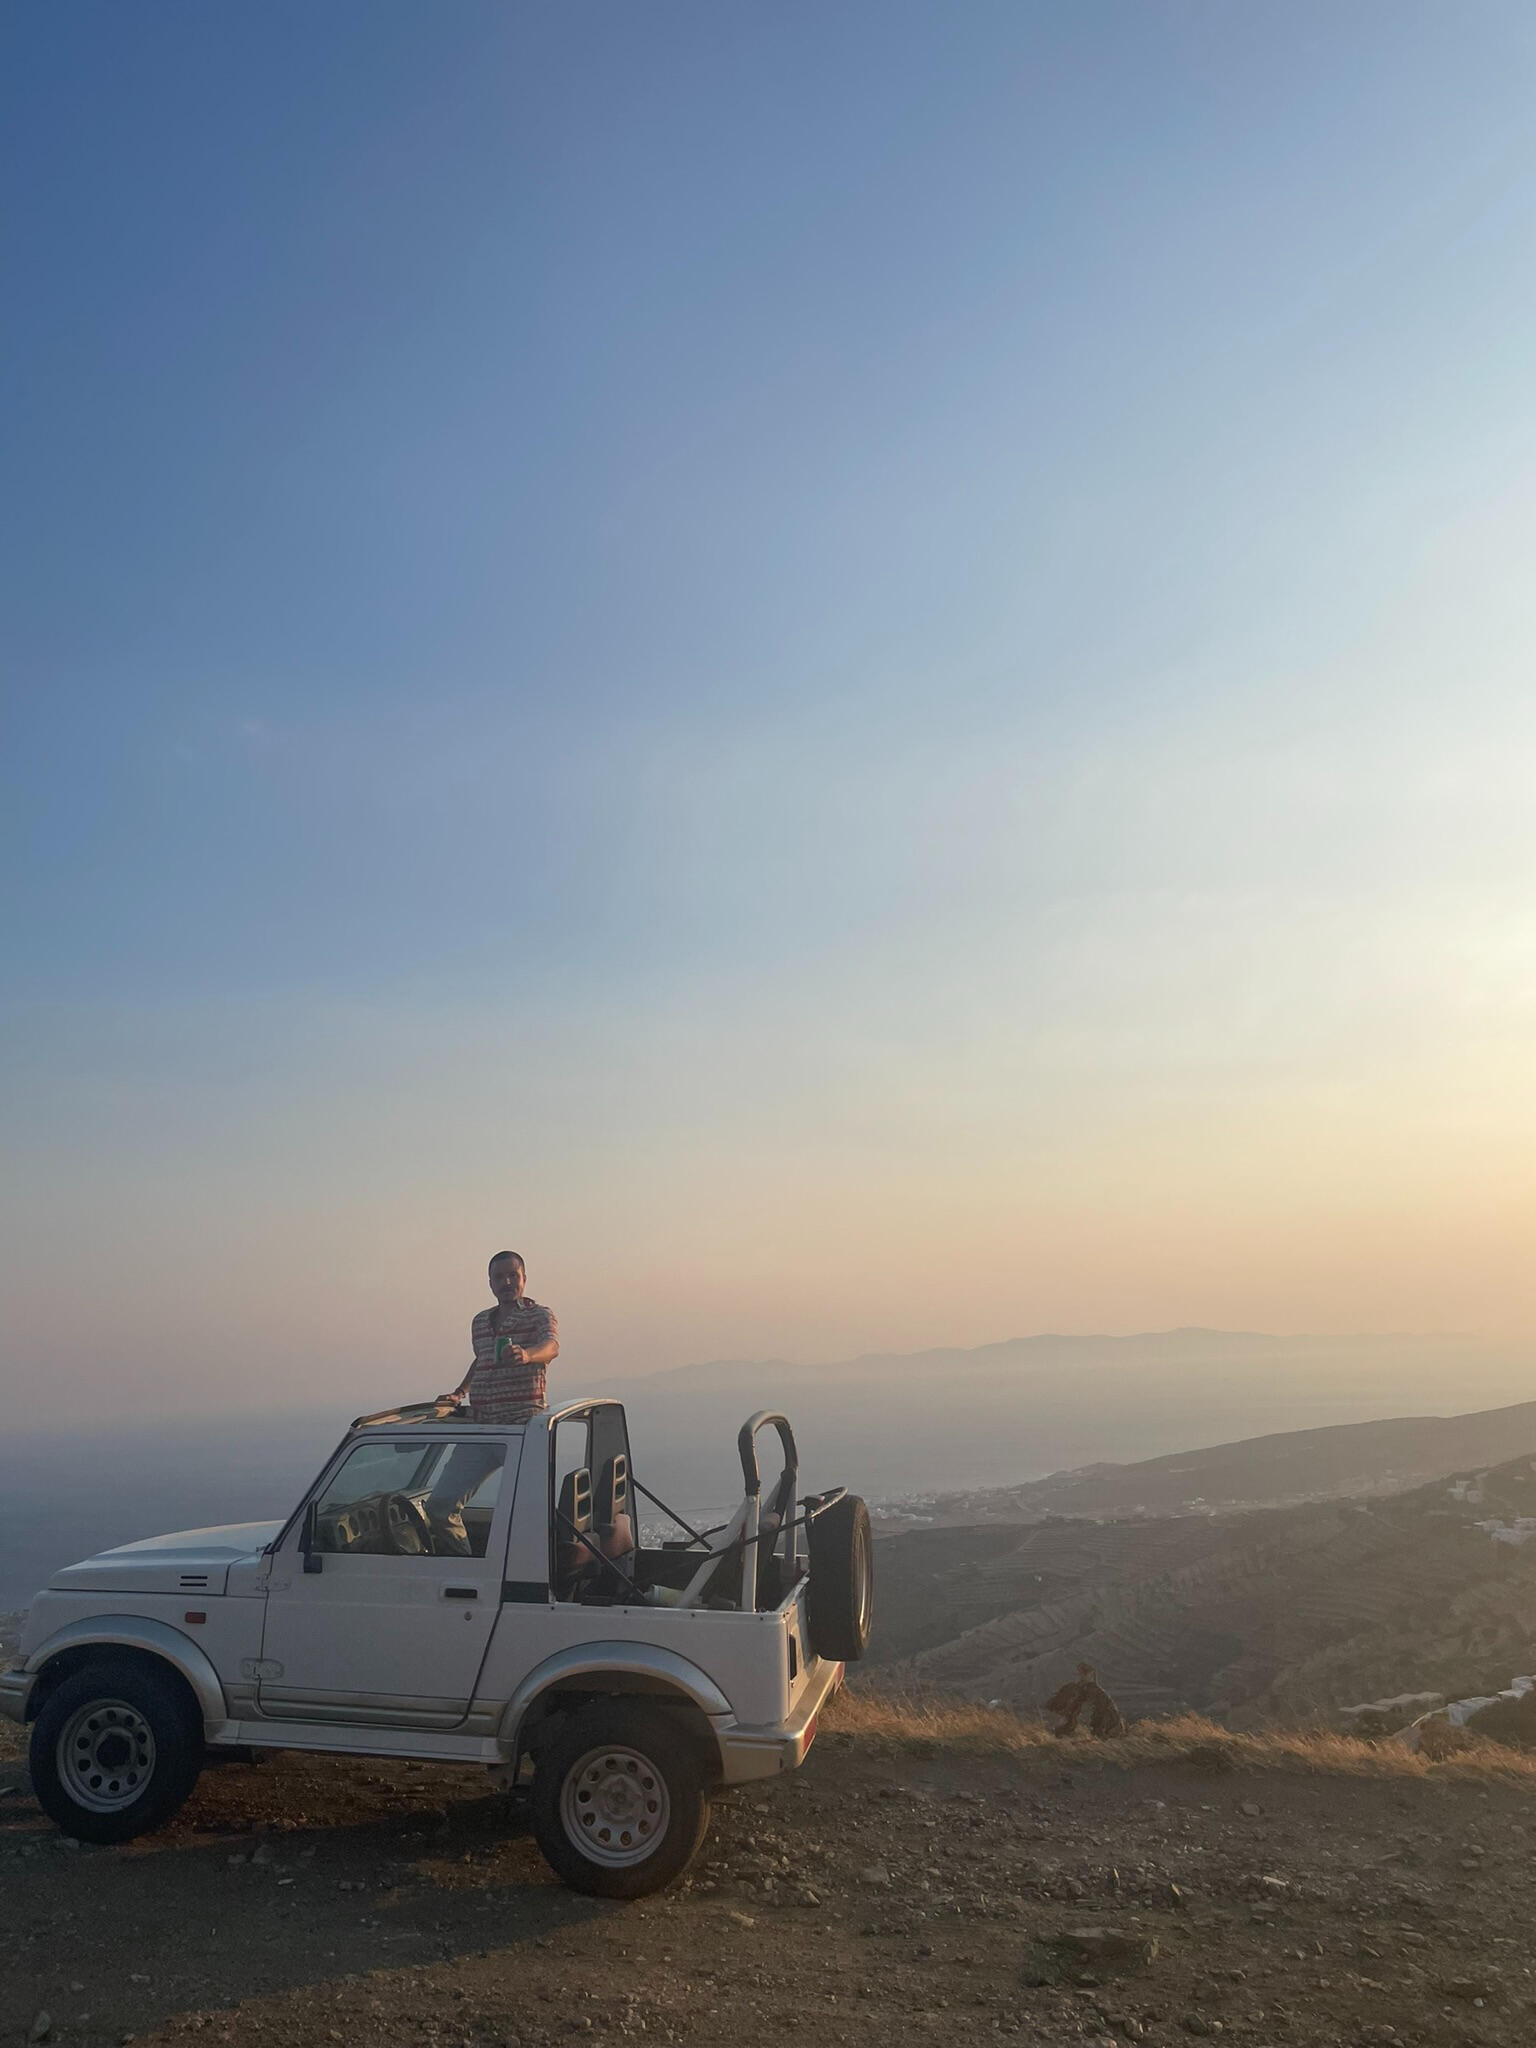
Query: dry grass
{"x": 911, "y": 1725}
{"x": 915, "y": 1725}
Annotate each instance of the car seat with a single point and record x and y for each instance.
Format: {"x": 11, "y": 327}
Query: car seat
{"x": 723, "y": 1585}
{"x": 573, "y": 1521}
{"x": 614, "y": 1525}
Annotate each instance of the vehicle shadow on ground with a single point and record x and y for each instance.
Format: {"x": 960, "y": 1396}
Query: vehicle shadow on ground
{"x": 208, "y": 1915}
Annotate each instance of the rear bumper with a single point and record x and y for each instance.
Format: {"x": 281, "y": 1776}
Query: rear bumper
{"x": 747, "y": 1753}
{"x": 15, "y": 1686}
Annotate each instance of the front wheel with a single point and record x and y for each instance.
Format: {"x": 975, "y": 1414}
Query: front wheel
{"x": 115, "y": 1751}
{"x": 619, "y": 1804}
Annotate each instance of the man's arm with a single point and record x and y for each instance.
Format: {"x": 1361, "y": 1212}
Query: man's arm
{"x": 545, "y": 1352}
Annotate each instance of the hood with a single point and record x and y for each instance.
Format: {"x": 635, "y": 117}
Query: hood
{"x": 191, "y": 1561}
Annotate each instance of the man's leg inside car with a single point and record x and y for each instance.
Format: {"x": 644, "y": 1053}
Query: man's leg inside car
{"x": 461, "y": 1479}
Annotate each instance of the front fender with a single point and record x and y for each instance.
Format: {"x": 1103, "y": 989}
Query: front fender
{"x": 136, "y": 1632}
{"x": 658, "y": 1670}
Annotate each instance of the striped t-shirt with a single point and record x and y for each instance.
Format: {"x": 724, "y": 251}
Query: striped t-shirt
{"x": 508, "y": 1392}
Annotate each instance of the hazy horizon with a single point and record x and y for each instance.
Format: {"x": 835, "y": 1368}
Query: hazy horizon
{"x": 889, "y": 1427}
{"x": 1456, "y": 1370}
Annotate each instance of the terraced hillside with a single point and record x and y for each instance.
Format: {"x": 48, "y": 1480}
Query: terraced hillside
{"x": 1270, "y": 1613}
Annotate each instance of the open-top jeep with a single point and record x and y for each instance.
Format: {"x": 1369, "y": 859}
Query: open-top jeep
{"x": 464, "y": 1593}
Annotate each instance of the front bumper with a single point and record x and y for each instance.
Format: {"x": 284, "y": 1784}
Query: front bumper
{"x": 15, "y": 1688}
{"x": 747, "y": 1753}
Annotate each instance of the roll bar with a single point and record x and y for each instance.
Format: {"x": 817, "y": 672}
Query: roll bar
{"x": 789, "y": 1533}
{"x": 746, "y": 1445}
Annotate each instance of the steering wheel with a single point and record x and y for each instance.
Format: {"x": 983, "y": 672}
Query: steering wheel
{"x": 407, "y": 1532}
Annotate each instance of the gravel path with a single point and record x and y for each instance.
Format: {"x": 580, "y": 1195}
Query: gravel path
{"x": 875, "y": 1897}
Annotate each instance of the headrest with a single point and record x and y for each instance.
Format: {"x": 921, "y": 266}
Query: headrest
{"x": 612, "y": 1489}
{"x": 575, "y": 1504}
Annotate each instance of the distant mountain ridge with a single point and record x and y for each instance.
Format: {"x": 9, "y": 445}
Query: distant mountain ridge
{"x": 1344, "y": 1458}
{"x": 1000, "y": 1414}
{"x": 1052, "y": 1348}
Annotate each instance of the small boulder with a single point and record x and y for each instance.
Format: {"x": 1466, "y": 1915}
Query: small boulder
{"x": 1210, "y": 1756}
{"x": 1472, "y": 1988}
{"x": 1109, "y": 1946}
{"x": 1040, "y": 1968}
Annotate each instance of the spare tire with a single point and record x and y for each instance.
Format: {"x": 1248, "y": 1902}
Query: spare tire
{"x": 840, "y": 1594}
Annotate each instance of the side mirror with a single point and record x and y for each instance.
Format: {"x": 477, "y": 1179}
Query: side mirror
{"x": 314, "y": 1561}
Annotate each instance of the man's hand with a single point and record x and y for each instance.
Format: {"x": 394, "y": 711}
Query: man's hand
{"x": 514, "y": 1355}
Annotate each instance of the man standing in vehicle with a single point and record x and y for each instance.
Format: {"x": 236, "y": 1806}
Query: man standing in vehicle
{"x": 513, "y": 1344}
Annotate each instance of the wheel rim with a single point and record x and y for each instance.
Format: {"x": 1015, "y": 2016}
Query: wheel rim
{"x": 614, "y": 1806}
{"x": 106, "y": 1756}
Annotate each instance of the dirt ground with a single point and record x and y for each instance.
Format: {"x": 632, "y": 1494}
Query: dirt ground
{"x": 878, "y": 1896}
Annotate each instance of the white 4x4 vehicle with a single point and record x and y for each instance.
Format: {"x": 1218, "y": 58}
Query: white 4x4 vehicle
{"x": 463, "y": 1593}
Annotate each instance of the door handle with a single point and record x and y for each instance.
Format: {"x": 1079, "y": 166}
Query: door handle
{"x": 461, "y": 1592}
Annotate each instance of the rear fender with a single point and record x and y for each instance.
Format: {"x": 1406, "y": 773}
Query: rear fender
{"x": 619, "y": 1668}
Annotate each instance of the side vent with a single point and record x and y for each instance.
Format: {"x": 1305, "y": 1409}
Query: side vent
{"x": 194, "y": 1582}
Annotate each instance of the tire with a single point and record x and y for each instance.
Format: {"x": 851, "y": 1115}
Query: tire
{"x": 840, "y": 1593}
{"x": 115, "y": 1751}
{"x": 619, "y": 1805}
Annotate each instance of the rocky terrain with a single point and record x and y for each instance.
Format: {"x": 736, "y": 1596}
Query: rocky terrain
{"x": 900, "y": 1888}
{"x": 1273, "y": 1614}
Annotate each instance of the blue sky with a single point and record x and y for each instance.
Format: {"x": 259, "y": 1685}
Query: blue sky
{"x": 775, "y": 652}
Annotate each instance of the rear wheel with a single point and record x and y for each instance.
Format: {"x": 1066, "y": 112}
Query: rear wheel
{"x": 840, "y": 1596}
{"x": 619, "y": 1804}
{"x": 115, "y": 1751}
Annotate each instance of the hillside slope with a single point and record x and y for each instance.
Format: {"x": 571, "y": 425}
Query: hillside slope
{"x": 1277, "y": 1612}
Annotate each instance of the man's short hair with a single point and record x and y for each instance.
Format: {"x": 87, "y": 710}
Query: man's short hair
{"x": 501, "y": 1259}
